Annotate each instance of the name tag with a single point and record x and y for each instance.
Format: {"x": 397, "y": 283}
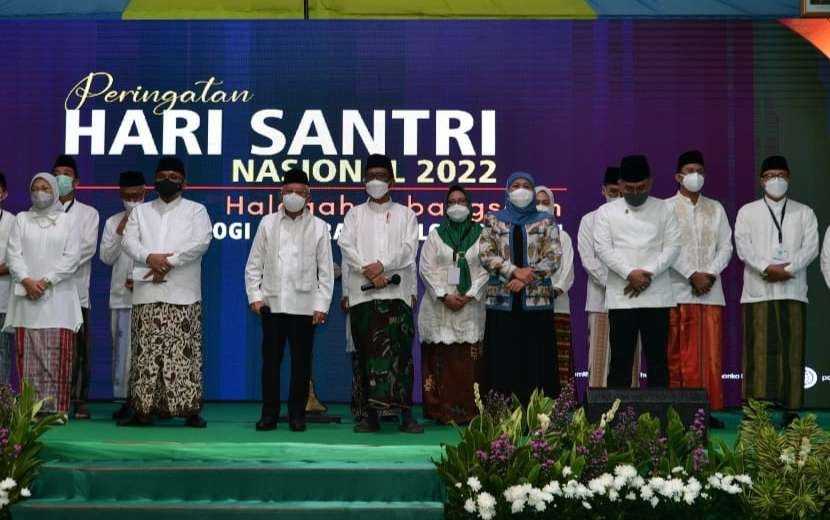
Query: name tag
{"x": 779, "y": 254}
{"x": 454, "y": 276}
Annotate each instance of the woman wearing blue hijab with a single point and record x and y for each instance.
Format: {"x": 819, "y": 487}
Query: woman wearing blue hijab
{"x": 519, "y": 246}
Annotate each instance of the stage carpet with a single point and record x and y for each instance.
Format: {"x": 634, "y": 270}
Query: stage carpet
{"x": 94, "y": 469}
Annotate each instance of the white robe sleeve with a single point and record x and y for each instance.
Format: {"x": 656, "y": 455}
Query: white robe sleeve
{"x": 809, "y": 244}
{"x": 198, "y": 242}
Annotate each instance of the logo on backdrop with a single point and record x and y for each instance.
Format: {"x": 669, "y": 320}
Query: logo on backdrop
{"x": 810, "y": 378}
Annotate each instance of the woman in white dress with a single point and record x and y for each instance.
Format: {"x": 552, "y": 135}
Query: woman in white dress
{"x": 452, "y": 314}
{"x": 44, "y": 309}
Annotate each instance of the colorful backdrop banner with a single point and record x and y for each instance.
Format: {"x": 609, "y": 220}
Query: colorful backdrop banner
{"x": 461, "y": 101}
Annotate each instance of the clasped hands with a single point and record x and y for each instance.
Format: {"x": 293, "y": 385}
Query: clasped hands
{"x": 522, "y": 277}
{"x": 638, "y": 281}
{"x": 159, "y": 266}
{"x": 777, "y": 273}
{"x": 35, "y": 289}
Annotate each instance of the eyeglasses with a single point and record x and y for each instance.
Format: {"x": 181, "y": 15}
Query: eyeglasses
{"x": 775, "y": 175}
{"x": 301, "y": 193}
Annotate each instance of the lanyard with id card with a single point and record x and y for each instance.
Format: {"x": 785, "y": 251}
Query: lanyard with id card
{"x": 454, "y": 272}
{"x": 779, "y": 252}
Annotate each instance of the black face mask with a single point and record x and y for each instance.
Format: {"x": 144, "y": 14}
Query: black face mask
{"x": 636, "y": 199}
{"x": 167, "y": 188}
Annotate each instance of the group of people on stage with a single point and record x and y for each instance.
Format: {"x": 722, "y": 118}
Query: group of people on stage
{"x": 495, "y": 309}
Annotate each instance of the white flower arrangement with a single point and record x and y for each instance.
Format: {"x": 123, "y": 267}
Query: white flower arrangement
{"x": 625, "y": 482}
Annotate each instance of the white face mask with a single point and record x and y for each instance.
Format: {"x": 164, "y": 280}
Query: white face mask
{"x": 377, "y": 189}
{"x": 777, "y": 187}
{"x": 544, "y": 209}
{"x": 129, "y": 205}
{"x": 521, "y": 197}
{"x": 41, "y": 199}
{"x": 458, "y": 212}
{"x": 693, "y": 182}
{"x": 293, "y": 203}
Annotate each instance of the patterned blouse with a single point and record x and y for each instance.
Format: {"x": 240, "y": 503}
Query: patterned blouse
{"x": 543, "y": 252}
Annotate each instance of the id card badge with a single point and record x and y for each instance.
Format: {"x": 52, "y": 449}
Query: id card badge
{"x": 780, "y": 254}
{"x": 454, "y": 276}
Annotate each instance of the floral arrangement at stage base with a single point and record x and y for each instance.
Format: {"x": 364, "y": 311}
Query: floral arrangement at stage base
{"x": 21, "y": 426}
{"x": 790, "y": 468}
{"x": 547, "y": 460}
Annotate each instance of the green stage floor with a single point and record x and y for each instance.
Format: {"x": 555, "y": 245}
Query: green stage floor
{"x": 95, "y": 469}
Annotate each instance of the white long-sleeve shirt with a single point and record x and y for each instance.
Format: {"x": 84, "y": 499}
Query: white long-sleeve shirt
{"x": 707, "y": 247}
{"x": 86, "y": 221}
{"x": 436, "y": 323}
{"x": 597, "y": 272}
{"x": 113, "y": 255}
{"x": 7, "y": 221}
{"x": 290, "y": 265}
{"x": 563, "y": 278}
{"x": 379, "y": 232}
{"x": 646, "y": 237}
{"x": 182, "y": 228}
{"x": 756, "y": 239}
{"x": 37, "y": 252}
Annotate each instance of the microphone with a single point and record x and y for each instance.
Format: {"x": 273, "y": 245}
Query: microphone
{"x": 395, "y": 280}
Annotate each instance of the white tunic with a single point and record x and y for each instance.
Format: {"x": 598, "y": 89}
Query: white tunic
{"x": 181, "y": 227}
{"x": 379, "y": 232}
{"x": 290, "y": 265}
{"x": 113, "y": 255}
{"x": 563, "y": 278}
{"x": 646, "y": 237}
{"x": 7, "y": 221}
{"x": 756, "y": 239}
{"x": 825, "y": 257}
{"x": 707, "y": 247}
{"x": 597, "y": 272}
{"x": 50, "y": 252}
{"x": 436, "y": 323}
{"x": 86, "y": 222}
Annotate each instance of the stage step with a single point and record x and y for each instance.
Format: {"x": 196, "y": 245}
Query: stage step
{"x": 266, "y": 481}
{"x": 167, "y": 489}
{"x": 45, "y": 509}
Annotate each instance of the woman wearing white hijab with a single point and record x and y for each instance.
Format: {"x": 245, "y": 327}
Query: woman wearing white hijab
{"x": 562, "y": 280}
{"x": 44, "y": 308}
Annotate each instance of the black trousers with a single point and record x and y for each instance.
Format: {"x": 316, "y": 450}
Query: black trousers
{"x": 652, "y": 325}
{"x": 81, "y": 370}
{"x": 299, "y": 332}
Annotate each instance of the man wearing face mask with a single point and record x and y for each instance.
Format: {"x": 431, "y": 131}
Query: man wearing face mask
{"x": 289, "y": 279}
{"x": 379, "y": 242}
{"x": 777, "y": 239}
{"x": 131, "y": 189}
{"x": 599, "y": 357}
{"x": 167, "y": 238}
{"x": 561, "y": 281}
{"x": 696, "y": 324}
{"x": 638, "y": 240}
{"x": 86, "y": 221}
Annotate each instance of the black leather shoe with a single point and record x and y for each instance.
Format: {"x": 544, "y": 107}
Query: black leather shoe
{"x": 122, "y": 412}
{"x": 715, "y": 423}
{"x": 266, "y": 423}
{"x": 134, "y": 419}
{"x": 297, "y": 426}
{"x": 366, "y": 425}
{"x": 195, "y": 421}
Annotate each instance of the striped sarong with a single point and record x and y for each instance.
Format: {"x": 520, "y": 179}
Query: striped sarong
{"x": 44, "y": 360}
